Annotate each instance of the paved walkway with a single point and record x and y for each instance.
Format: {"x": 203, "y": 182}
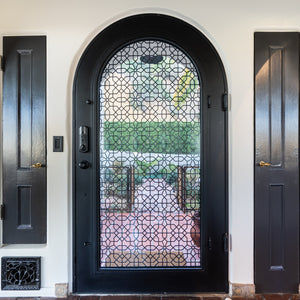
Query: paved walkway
{"x": 155, "y": 195}
{"x": 156, "y": 225}
{"x": 148, "y": 232}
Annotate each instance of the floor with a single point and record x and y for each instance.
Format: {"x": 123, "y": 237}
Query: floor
{"x": 167, "y": 297}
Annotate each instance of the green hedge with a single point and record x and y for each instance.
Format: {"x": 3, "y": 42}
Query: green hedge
{"x": 153, "y": 137}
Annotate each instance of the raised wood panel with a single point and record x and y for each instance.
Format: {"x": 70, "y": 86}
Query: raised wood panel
{"x": 24, "y": 207}
{"x": 276, "y": 226}
{"x": 276, "y": 107}
{"x": 24, "y": 74}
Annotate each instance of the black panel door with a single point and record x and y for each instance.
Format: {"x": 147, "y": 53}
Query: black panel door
{"x": 150, "y": 161}
{"x": 24, "y": 137}
{"x": 276, "y": 162}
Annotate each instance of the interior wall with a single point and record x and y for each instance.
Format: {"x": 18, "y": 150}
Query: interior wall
{"x": 69, "y": 26}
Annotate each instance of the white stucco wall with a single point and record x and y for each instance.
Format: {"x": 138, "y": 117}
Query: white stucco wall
{"x": 69, "y": 26}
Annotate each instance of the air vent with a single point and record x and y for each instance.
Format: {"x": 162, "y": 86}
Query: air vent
{"x": 21, "y": 273}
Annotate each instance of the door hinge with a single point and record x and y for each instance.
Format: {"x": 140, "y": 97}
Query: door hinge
{"x": 2, "y": 212}
{"x": 209, "y": 243}
{"x": 225, "y": 242}
{"x": 2, "y": 67}
{"x": 208, "y": 101}
{"x": 225, "y": 101}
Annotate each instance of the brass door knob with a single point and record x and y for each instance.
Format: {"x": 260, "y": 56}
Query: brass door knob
{"x": 37, "y": 166}
{"x": 264, "y": 164}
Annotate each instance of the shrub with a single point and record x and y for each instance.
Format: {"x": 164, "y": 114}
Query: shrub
{"x": 153, "y": 137}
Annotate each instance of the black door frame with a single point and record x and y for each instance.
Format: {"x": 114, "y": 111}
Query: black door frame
{"x": 213, "y": 277}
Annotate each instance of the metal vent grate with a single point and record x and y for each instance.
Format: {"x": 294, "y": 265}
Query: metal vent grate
{"x": 150, "y": 132}
{"x": 21, "y": 273}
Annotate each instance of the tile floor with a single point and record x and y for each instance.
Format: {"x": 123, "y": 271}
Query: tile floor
{"x": 167, "y": 297}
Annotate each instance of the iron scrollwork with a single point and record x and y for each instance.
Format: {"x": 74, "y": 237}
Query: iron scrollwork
{"x": 21, "y": 273}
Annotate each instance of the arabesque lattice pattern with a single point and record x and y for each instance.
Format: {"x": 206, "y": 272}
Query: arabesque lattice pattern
{"x": 149, "y": 158}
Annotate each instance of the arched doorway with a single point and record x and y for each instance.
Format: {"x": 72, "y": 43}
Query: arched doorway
{"x": 150, "y": 160}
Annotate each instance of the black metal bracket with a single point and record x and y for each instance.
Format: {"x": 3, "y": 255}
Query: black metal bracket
{"x": 225, "y": 102}
{"x": 208, "y": 101}
{"x": 225, "y": 242}
{"x": 2, "y": 212}
{"x": 2, "y": 63}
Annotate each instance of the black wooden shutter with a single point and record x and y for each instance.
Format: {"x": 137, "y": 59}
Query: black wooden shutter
{"x": 276, "y": 162}
{"x": 24, "y": 136}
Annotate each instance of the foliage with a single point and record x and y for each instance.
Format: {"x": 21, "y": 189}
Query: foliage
{"x": 192, "y": 188}
{"x": 186, "y": 85}
{"x": 151, "y": 170}
{"x": 143, "y": 167}
{"x": 116, "y": 180}
{"x": 153, "y": 137}
{"x": 150, "y": 80}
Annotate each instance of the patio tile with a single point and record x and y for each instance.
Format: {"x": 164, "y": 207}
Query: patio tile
{"x": 151, "y": 297}
{"x": 185, "y": 298}
{"x": 120, "y": 298}
{"x": 277, "y": 296}
{"x": 71, "y": 297}
{"x": 89, "y": 298}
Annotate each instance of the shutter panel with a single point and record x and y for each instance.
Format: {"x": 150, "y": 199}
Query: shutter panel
{"x": 24, "y": 136}
{"x": 277, "y": 184}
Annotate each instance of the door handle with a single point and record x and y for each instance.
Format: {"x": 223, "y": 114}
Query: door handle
{"x": 38, "y": 166}
{"x": 84, "y": 164}
{"x": 265, "y": 164}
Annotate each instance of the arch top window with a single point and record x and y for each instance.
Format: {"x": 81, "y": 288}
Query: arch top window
{"x": 149, "y": 157}
{"x": 149, "y": 74}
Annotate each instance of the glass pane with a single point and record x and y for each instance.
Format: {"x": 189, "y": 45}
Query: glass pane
{"x": 150, "y": 158}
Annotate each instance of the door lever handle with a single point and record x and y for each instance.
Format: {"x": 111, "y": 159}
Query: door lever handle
{"x": 265, "y": 164}
{"x": 38, "y": 166}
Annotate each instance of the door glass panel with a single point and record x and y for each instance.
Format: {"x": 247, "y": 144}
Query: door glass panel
{"x": 150, "y": 172}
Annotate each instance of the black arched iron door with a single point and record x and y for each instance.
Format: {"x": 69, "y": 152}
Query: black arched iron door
{"x": 150, "y": 152}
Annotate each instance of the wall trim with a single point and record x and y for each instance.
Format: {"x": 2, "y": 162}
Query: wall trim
{"x": 241, "y": 290}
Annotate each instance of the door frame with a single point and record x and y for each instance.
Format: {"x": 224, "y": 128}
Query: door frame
{"x": 86, "y": 277}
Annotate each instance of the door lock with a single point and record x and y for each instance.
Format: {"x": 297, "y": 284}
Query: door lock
{"x": 83, "y": 139}
{"x": 84, "y": 164}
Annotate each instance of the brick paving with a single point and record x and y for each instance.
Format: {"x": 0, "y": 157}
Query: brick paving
{"x": 166, "y": 297}
{"x": 138, "y": 232}
{"x": 155, "y": 225}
